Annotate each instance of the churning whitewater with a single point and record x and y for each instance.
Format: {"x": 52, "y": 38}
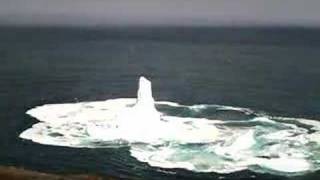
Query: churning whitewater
{"x": 201, "y": 138}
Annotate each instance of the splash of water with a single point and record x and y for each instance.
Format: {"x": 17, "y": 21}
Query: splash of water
{"x": 202, "y": 138}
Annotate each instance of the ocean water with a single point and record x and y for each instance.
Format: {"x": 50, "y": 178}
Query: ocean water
{"x": 269, "y": 70}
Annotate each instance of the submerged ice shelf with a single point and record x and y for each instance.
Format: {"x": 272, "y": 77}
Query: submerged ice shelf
{"x": 202, "y": 138}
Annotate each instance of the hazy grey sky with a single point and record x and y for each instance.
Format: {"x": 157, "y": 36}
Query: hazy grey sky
{"x": 160, "y": 12}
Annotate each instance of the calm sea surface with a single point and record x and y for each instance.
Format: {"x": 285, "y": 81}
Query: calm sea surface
{"x": 273, "y": 70}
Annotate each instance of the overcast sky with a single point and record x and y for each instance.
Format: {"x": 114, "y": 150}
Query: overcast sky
{"x": 160, "y": 12}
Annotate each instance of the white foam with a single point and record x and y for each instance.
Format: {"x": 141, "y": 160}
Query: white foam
{"x": 288, "y": 165}
{"x": 274, "y": 144}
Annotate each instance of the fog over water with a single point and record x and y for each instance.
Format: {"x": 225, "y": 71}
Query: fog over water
{"x": 164, "y": 12}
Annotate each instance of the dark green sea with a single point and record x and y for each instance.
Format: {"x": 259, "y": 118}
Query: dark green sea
{"x": 273, "y": 70}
